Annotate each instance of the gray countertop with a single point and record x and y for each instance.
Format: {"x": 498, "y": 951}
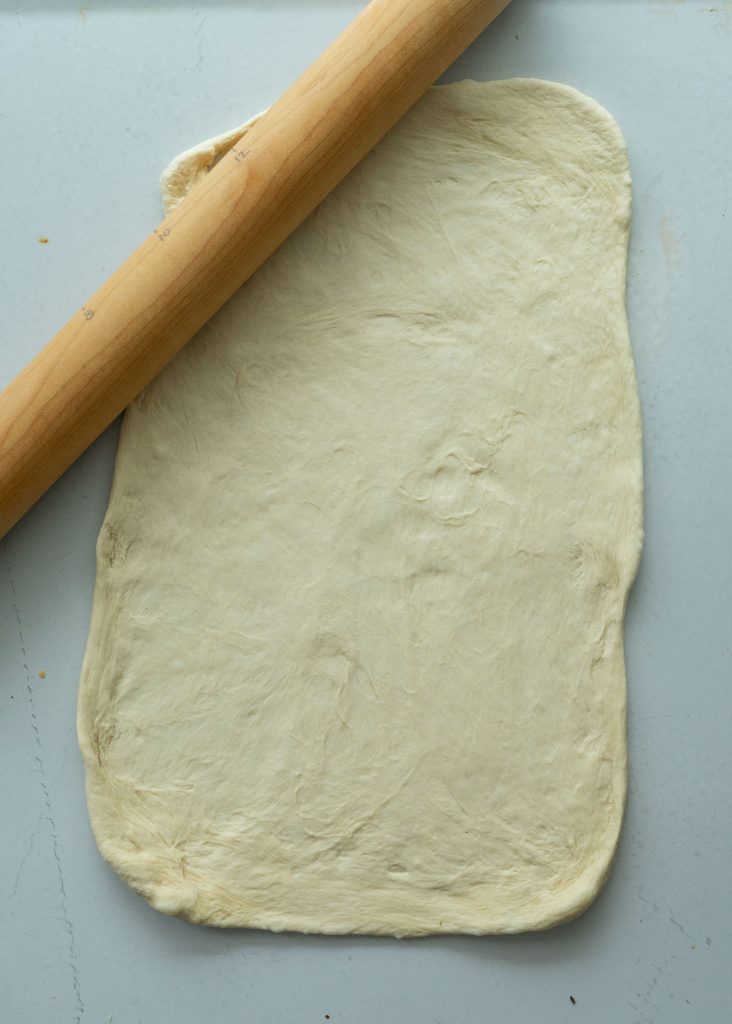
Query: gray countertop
{"x": 96, "y": 98}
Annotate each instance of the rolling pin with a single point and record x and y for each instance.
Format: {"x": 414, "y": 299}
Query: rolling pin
{"x": 221, "y": 233}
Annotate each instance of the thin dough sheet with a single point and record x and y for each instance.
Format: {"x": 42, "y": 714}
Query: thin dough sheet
{"x": 356, "y": 655}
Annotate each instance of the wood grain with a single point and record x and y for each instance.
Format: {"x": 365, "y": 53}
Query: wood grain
{"x": 220, "y": 234}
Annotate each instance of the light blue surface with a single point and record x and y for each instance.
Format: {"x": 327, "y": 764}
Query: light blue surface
{"x": 95, "y": 100}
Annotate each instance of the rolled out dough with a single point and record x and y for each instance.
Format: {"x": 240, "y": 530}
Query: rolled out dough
{"x": 356, "y": 661}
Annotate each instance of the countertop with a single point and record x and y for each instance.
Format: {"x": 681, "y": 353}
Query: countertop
{"x": 96, "y": 98}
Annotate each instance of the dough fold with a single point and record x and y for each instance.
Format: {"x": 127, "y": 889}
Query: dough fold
{"x": 355, "y": 661}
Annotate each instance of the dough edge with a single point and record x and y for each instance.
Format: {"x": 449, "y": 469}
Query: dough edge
{"x": 200, "y": 901}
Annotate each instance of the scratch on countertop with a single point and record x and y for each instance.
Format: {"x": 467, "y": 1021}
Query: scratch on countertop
{"x": 72, "y": 951}
{"x": 721, "y": 7}
{"x": 199, "y": 41}
{"x": 18, "y": 874}
{"x": 724, "y": 9}
{"x": 677, "y": 924}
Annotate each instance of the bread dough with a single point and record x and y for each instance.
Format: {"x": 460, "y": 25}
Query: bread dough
{"x": 356, "y": 660}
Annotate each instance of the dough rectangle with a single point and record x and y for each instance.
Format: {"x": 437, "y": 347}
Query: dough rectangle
{"x": 356, "y": 659}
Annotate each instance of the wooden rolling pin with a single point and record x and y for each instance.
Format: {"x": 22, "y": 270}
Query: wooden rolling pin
{"x": 221, "y": 233}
